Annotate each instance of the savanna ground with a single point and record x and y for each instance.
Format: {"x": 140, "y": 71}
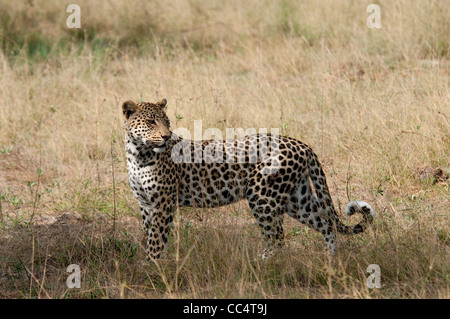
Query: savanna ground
{"x": 373, "y": 103}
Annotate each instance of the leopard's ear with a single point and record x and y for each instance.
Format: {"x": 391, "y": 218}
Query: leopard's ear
{"x": 163, "y": 103}
{"x": 128, "y": 108}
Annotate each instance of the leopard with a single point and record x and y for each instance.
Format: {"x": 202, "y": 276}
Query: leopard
{"x": 277, "y": 175}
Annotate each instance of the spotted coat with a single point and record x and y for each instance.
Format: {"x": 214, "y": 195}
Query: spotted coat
{"x": 277, "y": 175}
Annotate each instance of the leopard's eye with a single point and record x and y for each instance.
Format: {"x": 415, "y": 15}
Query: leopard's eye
{"x": 152, "y": 122}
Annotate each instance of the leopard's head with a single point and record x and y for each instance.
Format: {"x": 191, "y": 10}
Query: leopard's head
{"x": 146, "y": 124}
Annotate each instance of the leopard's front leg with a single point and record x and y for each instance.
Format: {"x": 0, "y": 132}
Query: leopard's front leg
{"x": 157, "y": 201}
{"x": 159, "y": 230}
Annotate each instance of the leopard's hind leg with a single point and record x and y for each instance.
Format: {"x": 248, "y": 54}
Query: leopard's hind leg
{"x": 305, "y": 207}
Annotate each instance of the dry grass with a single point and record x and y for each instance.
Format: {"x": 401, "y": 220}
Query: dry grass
{"x": 373, "y": 103}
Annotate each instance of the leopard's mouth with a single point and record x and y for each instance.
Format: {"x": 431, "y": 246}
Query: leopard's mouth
{"x": 159, "y": 147}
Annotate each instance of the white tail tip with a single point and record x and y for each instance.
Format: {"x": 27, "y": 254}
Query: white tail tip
{"x": 358, "y": 206}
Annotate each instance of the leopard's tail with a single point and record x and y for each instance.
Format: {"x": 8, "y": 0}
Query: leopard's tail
{"x": 323, "y": 200}
{"x": 357, "y": 207}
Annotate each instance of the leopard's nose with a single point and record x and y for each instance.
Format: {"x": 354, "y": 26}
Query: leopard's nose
{"x": 165, "y": 137}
